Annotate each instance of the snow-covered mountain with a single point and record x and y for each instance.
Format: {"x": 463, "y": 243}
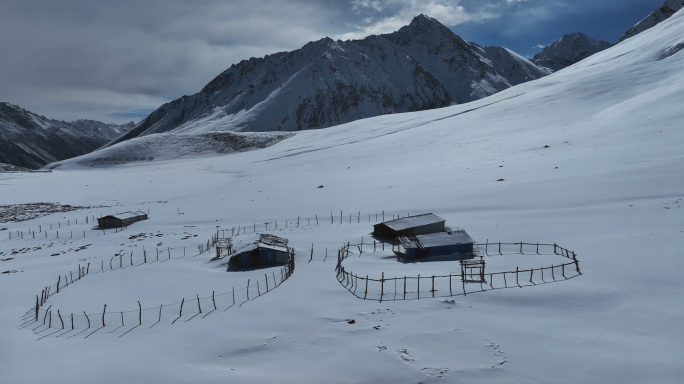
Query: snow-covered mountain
{"x": 422, "y": 66}
{"x": 568, "y": 50}
{"x": 31, "y": 141}
{"x": 669, "y": 8}
{"x": 467, "y": 71}
{"x": 589, "y": 158}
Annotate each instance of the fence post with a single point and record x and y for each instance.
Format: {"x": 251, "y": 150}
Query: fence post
{"x": 37, "y": 306}
{"x": 266, "y": 276}
{"x": 576, "y": 263}
{"x": 419, "y": 286}
{"x": 213, "y": 299}
{"x": 433, "y": 286}
{"x": 505, "y": 285}
{"x": 72, "y": 321}
{"x": 516, "y": 276}
{"x": 563, "y": 270}
{"x": 382, "y": 286}
{"x": 139, "y": 314}
{"x": 486, "y": 247}
{"x": 180, "y": 314}
{"x": 87, "y": 318}
{"x": 311, "y": 258}
{"x": 450, "y": 292}
{"x": 59, "y": 278}
{"x": 537, "y": 248}
{"x": 531, "y": 272}
{"x": 103, "y": 315}
{"x": 366, "y": 291}
{"x": 60, "y": 318}
{"x": 198, "y": 304}
{"x": 247, "y": 289}
{"x": 521, "y": 247}
{"x": 554, "y": 248}
{"x": 233, "y": 295}
{"x": 404, "y": 287}
{"x": 499, "y": 248}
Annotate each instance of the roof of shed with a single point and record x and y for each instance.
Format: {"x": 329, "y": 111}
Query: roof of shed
{"x": 127, "y": 215}
{"x": 413, "y": 221}
{"x": 437, "y": 240}
{"x": 264, "y": 241}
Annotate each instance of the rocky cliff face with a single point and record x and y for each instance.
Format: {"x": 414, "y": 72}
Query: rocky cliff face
{"x": 31, "y": 141}
{"x": 669, "y": 8}
{"x": 467, "y": 71}
{"x": 568, "y": 50}
{"x": 422, "y": 66}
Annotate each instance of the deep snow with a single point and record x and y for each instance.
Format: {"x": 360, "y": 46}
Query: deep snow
{"x": 609, "y": 186}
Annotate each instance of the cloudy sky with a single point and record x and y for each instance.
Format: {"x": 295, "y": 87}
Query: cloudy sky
{"x": 117, "y": 60}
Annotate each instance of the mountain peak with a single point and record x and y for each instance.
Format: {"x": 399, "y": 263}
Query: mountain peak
{"x": 423, "y": 23}
{"x": 568, "y": 50}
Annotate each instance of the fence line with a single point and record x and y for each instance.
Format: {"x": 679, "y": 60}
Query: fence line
{"x": 114, "y": 264}
{"x": 185, "y": 310}
{"x": 410, "y": 286}
{"x": 43, "y": 232}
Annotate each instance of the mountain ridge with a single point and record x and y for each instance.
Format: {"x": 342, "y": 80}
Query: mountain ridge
{"x": 31, "y": 141}
{"x": 568, "y": 50}
{"x": 329, "y": 82}
{"x": 664, "y": 12}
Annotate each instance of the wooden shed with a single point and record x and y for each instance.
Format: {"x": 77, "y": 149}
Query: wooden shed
{"x": 268, "y": 251}
{"x": 437, "y": 244}
{"x": 122, "y": 219}
{"x": 410, "y": 226}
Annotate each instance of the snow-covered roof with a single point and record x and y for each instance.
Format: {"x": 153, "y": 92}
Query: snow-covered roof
{"x": 413, "y": 221}
{"x": 439, "y": 239}
{"x": 265, "y": 241}
{"x": 128, "y": 215}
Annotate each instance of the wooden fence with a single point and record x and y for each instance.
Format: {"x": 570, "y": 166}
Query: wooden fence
{"x": 48, "y": 318}
{"x": 412, "y": 287}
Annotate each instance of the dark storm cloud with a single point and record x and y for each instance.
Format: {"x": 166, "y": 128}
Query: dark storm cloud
{"x": 115, "y": 60}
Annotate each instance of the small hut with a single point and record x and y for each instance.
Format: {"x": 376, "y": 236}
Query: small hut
{"x": 268, "y": 251}
{"x": 410, "y": 226}
{"x": 436, "y": 244}
{"x": 122, "y": 219}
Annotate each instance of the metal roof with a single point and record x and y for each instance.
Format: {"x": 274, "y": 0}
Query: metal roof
{"x": 439, "y": 239}
{"x": 128, "y": 215}
{"x": 265, "y": 241}
{"x": 413, "y": 221}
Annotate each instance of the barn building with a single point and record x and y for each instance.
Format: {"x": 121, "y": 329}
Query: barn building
{"x": 122, "y": 219}
{"x": 268, "y": 251}
{"x": 410, "y": 226}
{"x": 436, "y": 244}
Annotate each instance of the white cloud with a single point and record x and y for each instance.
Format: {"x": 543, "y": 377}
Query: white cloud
{"x": 448, "y": 12}
{"x": 359, "y": 5}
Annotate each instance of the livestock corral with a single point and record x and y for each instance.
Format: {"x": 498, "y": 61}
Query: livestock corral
{"x": 438, "y": 262}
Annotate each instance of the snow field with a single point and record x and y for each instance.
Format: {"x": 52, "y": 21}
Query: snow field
{"x": 613, "y": 126}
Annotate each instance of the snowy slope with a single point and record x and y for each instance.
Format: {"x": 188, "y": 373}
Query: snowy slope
{"x": 669, "y": 8}
{"x": 568, "y": 50}
{"x": 422, "y": 66}
{"x": 608, "y": 187}
{"x": 30, "y": 140}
